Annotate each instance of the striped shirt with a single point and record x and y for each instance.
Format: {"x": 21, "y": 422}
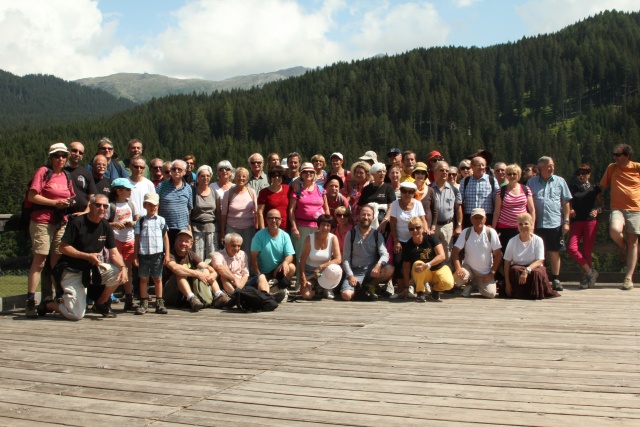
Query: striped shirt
{"x": 175, "y": 204}
{"x": 151, "y": 235}
{"x": 512, "y": 206}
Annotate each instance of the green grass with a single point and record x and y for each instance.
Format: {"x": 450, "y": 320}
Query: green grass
{"x": 13, "y": 285}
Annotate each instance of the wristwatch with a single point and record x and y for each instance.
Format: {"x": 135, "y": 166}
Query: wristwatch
{"x": 528, "y": 270}
{"x": 566, "y": 221}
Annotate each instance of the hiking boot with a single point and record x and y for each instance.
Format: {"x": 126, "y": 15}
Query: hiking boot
{"x": 556, "y": 285}
{"x": 142, "y": 308}
{"x": 584, "y": 283}
{"x": 114, "y": 300}
{"x": 160, "y": 308}
{"x": 195, "y": 304}
{"x": 31, "y": 311}
{"x": 593, "y": 276}
{"x": 421, "y": 297}
{"x": 221, "y": 300}
{"x": 130, "y": 305}
{"x": 411, "y": 292}
{"x": 466, "y": 292}
{"x": 281, "y": 295}
{"x": 42, "y": 307}
{"x": 104, "y": 309}
{"x": 435, "y": 296}
{"x": 627, "y": 285}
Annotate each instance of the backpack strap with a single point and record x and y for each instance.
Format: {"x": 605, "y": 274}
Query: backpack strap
{"x": 353, "y": 238}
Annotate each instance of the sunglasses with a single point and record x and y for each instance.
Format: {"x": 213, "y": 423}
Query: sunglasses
{"x": 465, "y": 168}
{"x": 344, "y": 215}
{"x": 75, "y": 150}
{"x": 224, "y": 169}
{"x": 101, "y": 205}
{"x": 581, "y": 173}
{"x": 60, "y": 156}
{"x": 407, "y": 191}
{"x": 273, "y": 218}
{"x": 166, "y": 172}
{"x": 618, "y": 154}
{"x": 106, "y": 148}
{"x": 256, "y": 163}
{"x": 309, "y": 172}
{"x": 176, "y": 169}
{"x": 156, "y": 167}
{"x": 419, "y": 173}
{"x": 436, "y": 159}
{"x": 137, "y": 167}
{"x": 415, "y": 228}
{"x": 452, "y": 174}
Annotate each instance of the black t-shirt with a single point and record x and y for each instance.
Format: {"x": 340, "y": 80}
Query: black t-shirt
{"x": 425, "y": 252}
{"x": 190, "y": 260}
{"x": 382, "y": 195}
{"x": 83, "y": 185}
{"x": 103, "y": 186}
{"x": 583, "y": 202}
{"x": 88, "y": 237}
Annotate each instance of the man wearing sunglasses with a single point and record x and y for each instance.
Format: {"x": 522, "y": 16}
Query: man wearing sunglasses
{"x": 434, "y": 157}
{"x": 83, "y": 183}
{"x": 624, "y": 224}
{"x": 81, "y": 269}
{"x": 449, "y": 204}
{"x": 114, "y": 169}
{"x": 258, "y": 179}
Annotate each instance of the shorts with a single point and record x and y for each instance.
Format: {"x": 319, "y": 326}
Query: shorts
{"x": 631, "y": 220}
{"x": 552, "y": 238}
{"x": 362, "y": 275}
{"x": 126, "y": 249}
{"x": 150, "y": 265}
{"x": 253, "y": 280}
{"x": 45, "y": 238}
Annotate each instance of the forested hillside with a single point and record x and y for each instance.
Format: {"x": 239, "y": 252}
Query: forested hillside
{"x": 571, "y": 95}
{"x": 37, "y": 100}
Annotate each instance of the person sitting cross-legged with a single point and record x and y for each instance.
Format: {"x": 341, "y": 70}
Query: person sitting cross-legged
{"x": 231, "y": 264}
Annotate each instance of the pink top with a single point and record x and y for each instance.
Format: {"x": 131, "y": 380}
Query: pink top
{"x": 57, "y": 188}
{"x": 238, "y": 264}
{"x": 341, "y": 236}
{"x": 241, "y": 209}
{"x": 512, "y": 206}
{"x": 310, "y": 206}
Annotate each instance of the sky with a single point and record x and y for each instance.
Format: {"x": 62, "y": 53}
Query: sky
{"x": 219, "y": 39}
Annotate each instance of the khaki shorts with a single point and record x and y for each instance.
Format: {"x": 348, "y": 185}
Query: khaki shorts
{"x": 45, "y": 238}
{"x": 631, "y": 220}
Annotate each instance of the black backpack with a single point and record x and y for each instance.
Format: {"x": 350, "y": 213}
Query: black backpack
{"x": 250, "y": 299}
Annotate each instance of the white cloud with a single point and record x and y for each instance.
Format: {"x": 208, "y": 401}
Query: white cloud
{"x": 546, "y": 16}
{"x": 68, "y": 38}
{"x": 400, "y": 28}
{"x": 465, "y": 3}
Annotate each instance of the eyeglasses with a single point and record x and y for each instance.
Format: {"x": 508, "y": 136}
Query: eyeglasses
{"x": 436, "y": 159}
{"x": 75, "y": 150}
{"x": 224, "y": 169}
{"x": 101, "y": 205}
{"x": 465, "y": 168}
{"x": 256, "y": 163}
{"x": 166, "y": 172}
{"x": 273, "y": 218}
{"x": 190, "y": 163}
{"x": 407, "y": 191}
{"x": 156, "y": 167}
{"x": 418, "y": 228}
{"x": 344, "y": 215}
{"x": 419, "y": 172}
{"x": 452, "y": 174}
{"x": 618, "y": 154}
{"x": 309, "y": 172}
{"x": 176, "y": 169}
{"x": 60, "y": 156}
{"x": 106, "y": 148}
{"x": 512, "y": 174}
{"x": 137, "y": 167}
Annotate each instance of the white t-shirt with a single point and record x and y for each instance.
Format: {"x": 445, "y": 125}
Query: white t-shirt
{"x": 524, "y": 253}
{"x": 478, "y": 250}
{"x": 137, "y": 194}
{"x": 123, "y": 214}
{"x": 402, "y": 218}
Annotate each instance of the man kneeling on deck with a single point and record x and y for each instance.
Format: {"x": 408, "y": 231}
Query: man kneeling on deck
{"x": 364, "y": 259}
{"x": 184, "y": 270}
{"x": 81, "y": 265}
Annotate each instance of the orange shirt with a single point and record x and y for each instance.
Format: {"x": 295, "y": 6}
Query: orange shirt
{"x": 625, "y": 186}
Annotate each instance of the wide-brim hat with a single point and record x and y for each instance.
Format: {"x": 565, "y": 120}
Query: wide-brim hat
{"x": 330, "y": 277}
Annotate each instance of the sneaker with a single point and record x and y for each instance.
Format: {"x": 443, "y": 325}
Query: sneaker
{"x": 627, "y": 285}
{"x": 195, "y": 304}
{"x": 411, "y": 292}
{"x": 421, "y": 297}
{"x": 394, "y": 296}
{"x": 160, "y": 308}
{"x": 584, "y": 283}
{"x": 31, "y": 311}
{"x": 130, "y": 305}
{"x": 281, "y": 295}
{"x": 427, "y": 288}
{"x": 593, "y": 276}
{"x": 220, "y": 301}
{"x": 556, "y": 285}
{"x": 114, "y": 299}
{"x": 104, "y": 309}
{"x": 42, "y": 307}
{"x": 142, "y": 308}
{"x": 328, "y": 293}
{"x": 435, "y": 296}
{"x": 466, "y": 292}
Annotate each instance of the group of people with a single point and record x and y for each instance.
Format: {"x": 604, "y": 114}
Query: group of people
{"x": 396, "y": 229}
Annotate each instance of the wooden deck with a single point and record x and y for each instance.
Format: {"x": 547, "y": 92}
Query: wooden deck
{"x": 570, "y": 361}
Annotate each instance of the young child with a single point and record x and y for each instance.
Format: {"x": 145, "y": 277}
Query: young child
{"x": 122, "y": 218}
{"x": 152, "y": 252}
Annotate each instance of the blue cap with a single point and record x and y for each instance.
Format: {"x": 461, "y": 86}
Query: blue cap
{"x": 122, "y": 182}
